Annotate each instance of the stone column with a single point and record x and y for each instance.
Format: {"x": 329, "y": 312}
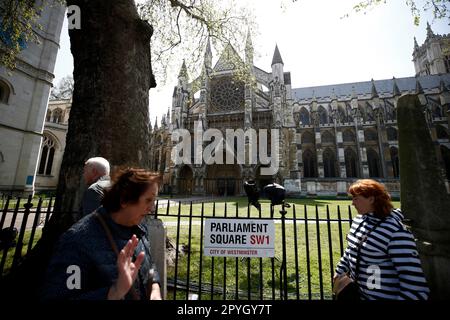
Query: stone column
{"x": 319, "y": 152}
{"x": 299, "y": 154}
{"x": 340, "y": 152}
{"x": 360, "y": 142}
{"x": 363, "y": 151}
{"x": 424, "y": 197}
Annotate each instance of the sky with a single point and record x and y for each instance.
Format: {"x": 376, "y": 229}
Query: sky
{"x": 317, "y": 46}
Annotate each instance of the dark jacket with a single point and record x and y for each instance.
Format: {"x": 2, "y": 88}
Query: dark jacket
{"x": 86, "y": 245}
{"x": 93, "y": 196}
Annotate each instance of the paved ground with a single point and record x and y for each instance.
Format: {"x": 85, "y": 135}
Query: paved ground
{"x": 19, "y": 220}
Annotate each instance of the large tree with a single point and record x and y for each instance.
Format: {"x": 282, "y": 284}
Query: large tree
{"x": 110, "y": 104}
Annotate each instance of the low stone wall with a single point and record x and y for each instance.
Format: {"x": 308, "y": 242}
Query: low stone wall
{"x": 325, "y": 187}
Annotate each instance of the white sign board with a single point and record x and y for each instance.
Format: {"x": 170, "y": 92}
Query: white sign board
{"x": 239, "y": 238}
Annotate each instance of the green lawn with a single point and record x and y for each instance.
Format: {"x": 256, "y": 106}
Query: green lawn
{"x": 238, "y": 207}
{"x": 243, "y": 264}
{"x": 34, "y": 201}
{"x": 8, "y": 259}
{"x": 318, "y": 276}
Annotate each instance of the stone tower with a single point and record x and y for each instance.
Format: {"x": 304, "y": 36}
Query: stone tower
{"x": 432, "y": 57}
{"x": 24, "y": 96}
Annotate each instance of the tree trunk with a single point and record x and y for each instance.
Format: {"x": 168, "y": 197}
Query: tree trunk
{"x": 109, "y": 116}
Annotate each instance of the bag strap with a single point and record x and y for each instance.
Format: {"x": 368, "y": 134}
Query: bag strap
{"x": 363, "y": 239}
{"x": 114, "y": 247}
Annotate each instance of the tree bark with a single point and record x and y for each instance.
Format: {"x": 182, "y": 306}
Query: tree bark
{"x": 109, "y": 117}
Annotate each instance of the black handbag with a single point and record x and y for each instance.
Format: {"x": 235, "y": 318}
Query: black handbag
{"x": 349, "y": 293}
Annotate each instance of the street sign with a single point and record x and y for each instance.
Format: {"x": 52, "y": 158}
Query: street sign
{"x": 239, "y": 238}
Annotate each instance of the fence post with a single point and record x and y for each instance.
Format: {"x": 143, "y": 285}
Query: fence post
{"x": 283, "y": 239}
{"x": 37, "y": 216}
{"x": 158, "y": 250}
{"x": 5, "y": 212}
{"x": 18, "y": 252}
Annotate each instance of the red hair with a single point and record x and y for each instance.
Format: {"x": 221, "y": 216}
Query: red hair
{"x": 371, "y": 188}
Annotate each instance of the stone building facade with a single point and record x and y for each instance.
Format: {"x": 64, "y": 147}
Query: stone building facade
{"x": 53, "y": 144}
{"x": 24, "y": 96}
{"x": 329, "y": 135}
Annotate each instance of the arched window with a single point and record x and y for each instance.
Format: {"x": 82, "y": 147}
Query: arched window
{"x": 362, "y": 113}
{"x": 348, "y": 136}
{"x": 341, "y": 115}
{"x": 304, "y": 117}
{"x": 391, "y": 134}
{"x": 327, "y": 137}
{"x": 369, "y": 113}
{"x": 47, "y": 155}
{"x": 446, "y": 159}
{"x": 447, "y": 63}
{"x": 57, "y": 115}
{"x": 4, "y": 92}
{"x": 374, "y": 163}
{"x": 426, "y": 68}
{"x": 370, "y": 135}
{"x": 307, "y": 137}
{"x": 48, "y": 116}
{"x": 349, "y": 113}
{"x": 395, "y": 162}
{"x": 309, "y": 164}
{"x": 351, "y": 168}
{"x": 329, "y": 163}
{"x": 441, "y": 132}
{"x": 390, "y": 112}
{"x": 323, "y": 117}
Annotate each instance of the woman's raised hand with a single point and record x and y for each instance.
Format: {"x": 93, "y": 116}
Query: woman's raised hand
{"x": 127, "y": 270}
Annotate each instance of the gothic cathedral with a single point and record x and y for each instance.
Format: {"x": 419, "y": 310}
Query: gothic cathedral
{"x": 328, "y": 136}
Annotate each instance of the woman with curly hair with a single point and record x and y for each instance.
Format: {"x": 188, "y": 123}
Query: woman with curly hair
{"x": 106, "y": 255}
{"x": 381, "y": 260}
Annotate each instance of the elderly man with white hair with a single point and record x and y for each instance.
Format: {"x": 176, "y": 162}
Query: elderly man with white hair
{"x": 96, "y": 176}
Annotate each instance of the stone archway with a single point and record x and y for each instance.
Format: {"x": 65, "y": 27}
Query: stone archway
{"x": 185, "y": 180}
{"x": 223, "y": 179}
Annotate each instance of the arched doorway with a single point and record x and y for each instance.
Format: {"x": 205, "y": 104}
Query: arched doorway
{"x": 373, "y": 160}
{"x": 223, "y": 180}
{"x": 185, "y": 180}
{"x": 351, "y": 168}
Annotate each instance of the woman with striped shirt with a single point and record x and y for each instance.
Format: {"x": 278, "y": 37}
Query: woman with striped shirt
{"x": 381, "y": 253}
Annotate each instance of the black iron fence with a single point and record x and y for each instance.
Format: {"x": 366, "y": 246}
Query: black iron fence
{"x": 309, "y": 244}
{"x": 309, "y": 241}
{"x": 21, "y": 224}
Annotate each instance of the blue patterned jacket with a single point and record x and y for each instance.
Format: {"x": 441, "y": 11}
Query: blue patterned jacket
{"x": 86, "y": 246}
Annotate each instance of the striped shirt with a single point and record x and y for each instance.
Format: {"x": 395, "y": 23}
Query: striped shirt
{"x": 389, "y": 264}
